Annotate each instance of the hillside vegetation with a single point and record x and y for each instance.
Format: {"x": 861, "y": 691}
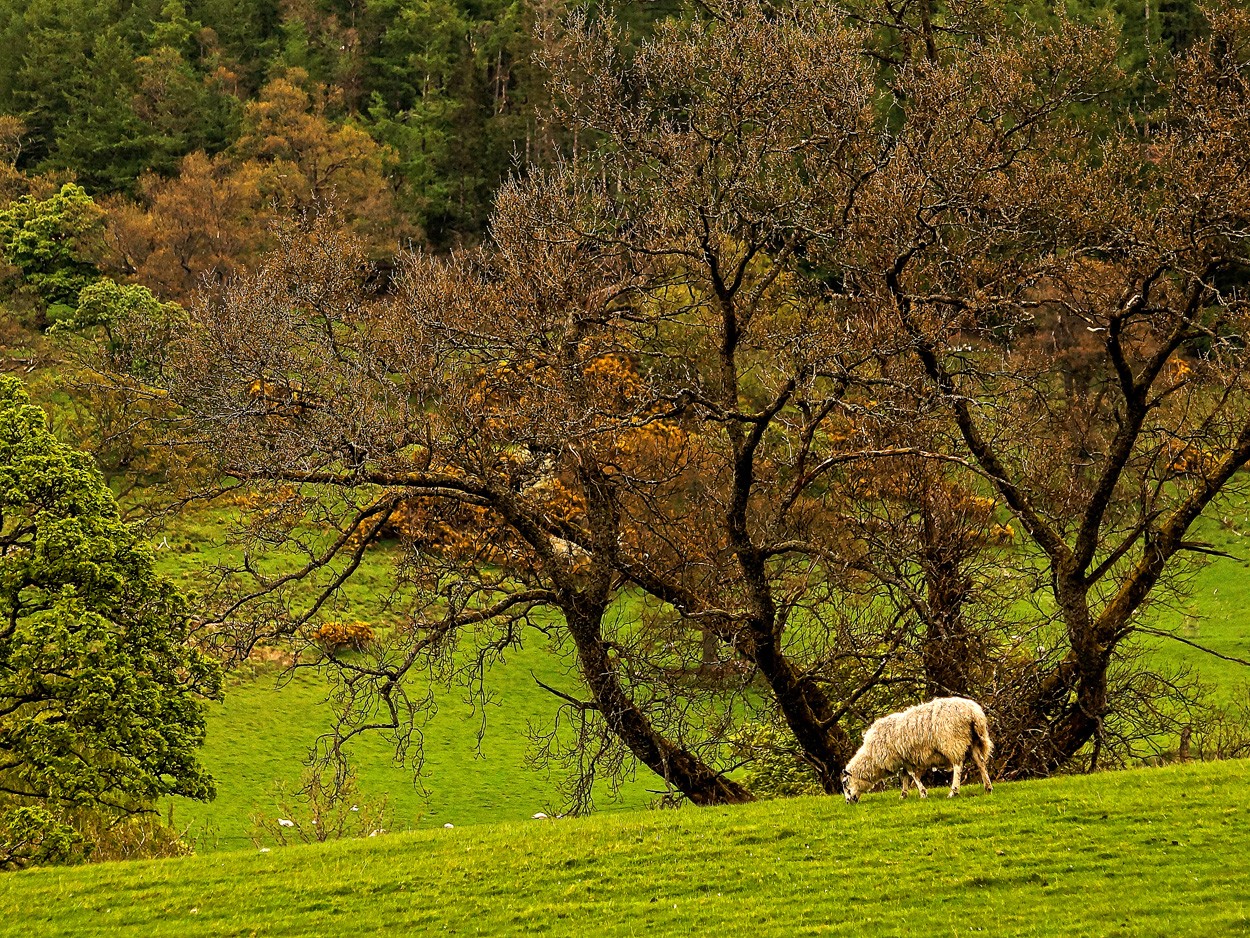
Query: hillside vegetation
{"x": 260, "y": 735}
{"x": 1145, "y": 852}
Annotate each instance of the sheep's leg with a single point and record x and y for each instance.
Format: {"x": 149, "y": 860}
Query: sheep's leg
{"x": 956, "y": 768}
{"x": 905, "y": 780}
{"x": 979, "y": 759}
{"x": 915, "y": 777}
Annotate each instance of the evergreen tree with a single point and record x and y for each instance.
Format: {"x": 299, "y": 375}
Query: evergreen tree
{"x": 99, "y": 708}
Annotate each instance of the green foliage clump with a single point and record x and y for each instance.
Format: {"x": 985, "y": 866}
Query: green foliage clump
{"x": 34, "y": 836}
{"x": 49, "y": 241}
{"x": 100, "y": 710}
{"x": 773, "y": 767}
{"x": 136, "y": 326}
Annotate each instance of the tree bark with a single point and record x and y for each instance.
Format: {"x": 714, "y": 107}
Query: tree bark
{"x": 826, "y": 746}
{"x": 946, "y": 650}
{"x": 1068, "y": 708}
{"x": 679, "y": 767}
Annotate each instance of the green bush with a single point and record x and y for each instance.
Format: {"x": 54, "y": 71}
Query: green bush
{"x": 773, "y": 765}
{"x": 100, "y": 695}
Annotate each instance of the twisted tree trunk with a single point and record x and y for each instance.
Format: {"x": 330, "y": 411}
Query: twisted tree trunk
{"x": 679, "y": 767}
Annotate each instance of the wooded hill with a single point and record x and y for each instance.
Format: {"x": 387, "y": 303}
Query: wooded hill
{"x": 417, "y": 107}
{"x": 814, "y": 360}
{"x": 429, "y": 104}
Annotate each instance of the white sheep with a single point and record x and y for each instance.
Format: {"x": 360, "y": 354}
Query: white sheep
{"x": 936, "y": 734}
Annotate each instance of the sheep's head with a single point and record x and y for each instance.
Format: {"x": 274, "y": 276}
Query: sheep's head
{"x": 851, "y": 787}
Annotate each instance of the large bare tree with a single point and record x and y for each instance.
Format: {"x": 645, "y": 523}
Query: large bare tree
{"x": 805, "y": 385}
{"x": 1076, "y": 309}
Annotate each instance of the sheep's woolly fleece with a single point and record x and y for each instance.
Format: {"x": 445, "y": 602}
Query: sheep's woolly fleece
{"x": 940, "y": 733}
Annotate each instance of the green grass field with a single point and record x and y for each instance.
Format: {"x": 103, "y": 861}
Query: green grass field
{"x": 1147, "y": 852}
{"x": 262, "y": 732}
{"x": 1216, "y": 613}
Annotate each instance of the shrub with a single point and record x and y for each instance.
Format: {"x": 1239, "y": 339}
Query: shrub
{"x": 342, "y": 636}
{"x": 31, "y": 835}
{"x": 320, "y": 810}
{"x": 144, "y": 836}
{"x": 773, "y": 766}
{"x": 39, "y": 836}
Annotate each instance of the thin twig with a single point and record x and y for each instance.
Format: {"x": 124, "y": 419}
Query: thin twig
{"x": 1209, "y": 651}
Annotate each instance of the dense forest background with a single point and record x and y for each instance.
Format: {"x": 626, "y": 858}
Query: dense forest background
{"x": 418, "y": 108}
{"x": 190, "y": 121}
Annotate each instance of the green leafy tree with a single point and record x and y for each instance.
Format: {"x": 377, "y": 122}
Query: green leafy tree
{"x": 50, "y": 241}
{"x": 100, "y": 711}
{"x": 127, "y": 314}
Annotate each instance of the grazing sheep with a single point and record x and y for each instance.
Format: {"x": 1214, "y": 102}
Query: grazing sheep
{"x": 935, "y": 734}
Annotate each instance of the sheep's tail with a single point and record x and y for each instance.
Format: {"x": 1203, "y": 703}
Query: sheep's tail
{"x": 981, "y": 742}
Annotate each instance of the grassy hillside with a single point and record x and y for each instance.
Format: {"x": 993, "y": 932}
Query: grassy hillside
{"x": 1147, "y": 852}
{"x": 261, "y": 733}
{"x": 1216, "y": 613}
{"x": 263, "y": 730}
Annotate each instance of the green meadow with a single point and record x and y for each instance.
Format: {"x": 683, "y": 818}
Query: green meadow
{"x": 1145, "y": 852}
{"x": 1215, "y": 613}
{"x": 262, "y": 732}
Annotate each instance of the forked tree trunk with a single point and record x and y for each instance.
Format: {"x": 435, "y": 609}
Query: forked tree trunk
{"x": 1057, "y": 720}
{"x": 679, "y": 767}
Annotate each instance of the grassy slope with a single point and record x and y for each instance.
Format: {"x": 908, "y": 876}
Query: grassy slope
{"x": 1217, "y": 612}
{"x": 1147, "y": 852}
{"x": 262, "y": 732}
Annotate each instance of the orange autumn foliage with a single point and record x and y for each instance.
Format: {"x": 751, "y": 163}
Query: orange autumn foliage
{"x": 214, "y": 218}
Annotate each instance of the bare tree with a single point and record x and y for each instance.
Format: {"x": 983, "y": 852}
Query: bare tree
{"x": 1013, "y": 224}
{"x": 769, "y": 396}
